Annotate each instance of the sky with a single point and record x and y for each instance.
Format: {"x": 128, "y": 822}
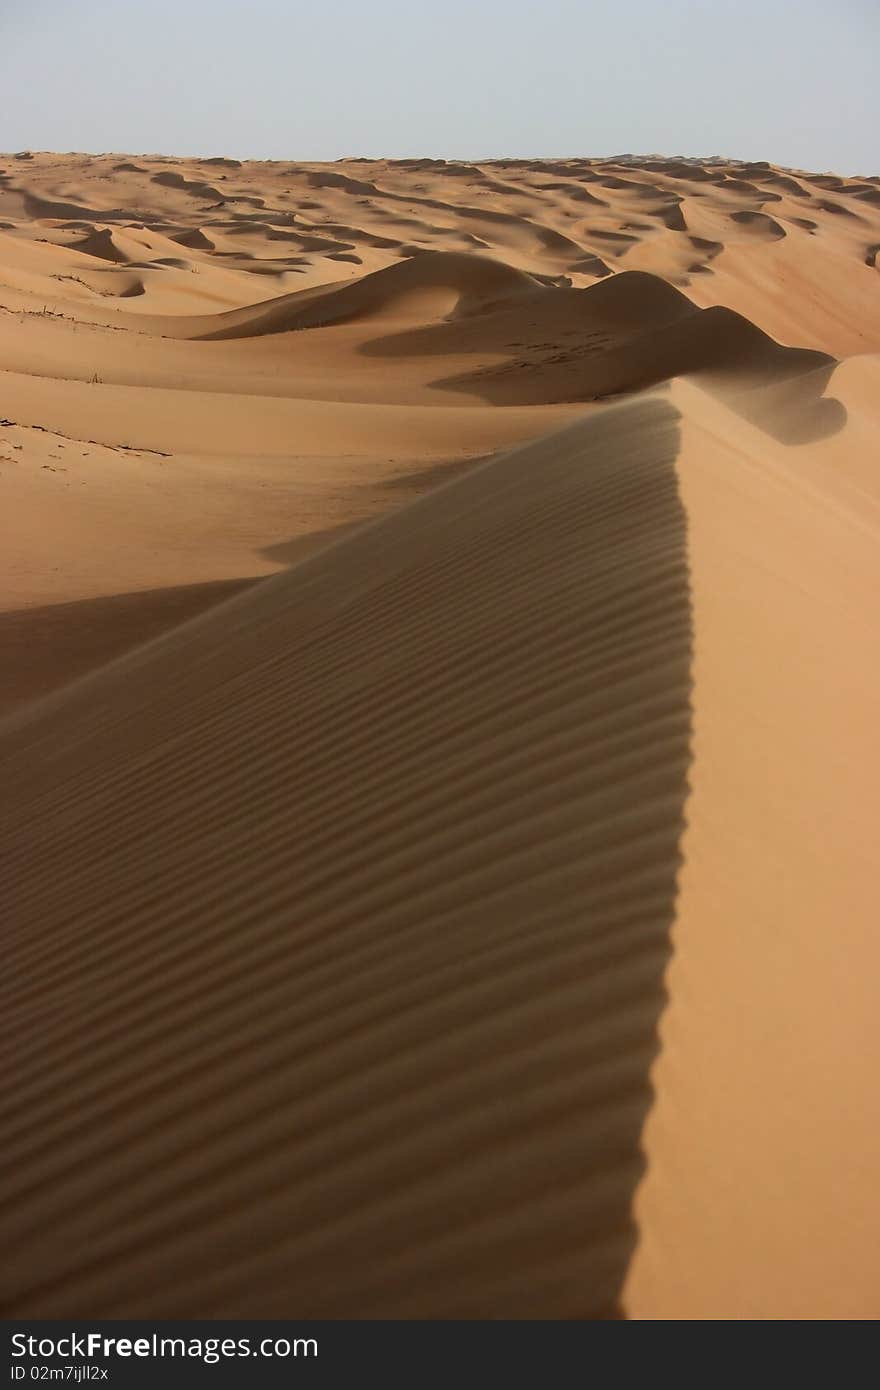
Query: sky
{"x": 790, "y": 81}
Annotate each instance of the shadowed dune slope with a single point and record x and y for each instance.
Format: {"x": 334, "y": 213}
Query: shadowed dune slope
{"x": 728, "y": 348}
{"x": 336, "y": 982}
{"x": 80, "y": 637}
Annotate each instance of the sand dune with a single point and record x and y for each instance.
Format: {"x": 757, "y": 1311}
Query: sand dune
{"x": 102, "y": 244}
{"x": 439, "y": 774}
{"x": 435, "y": 285}
{"x": 444, "y": 1016}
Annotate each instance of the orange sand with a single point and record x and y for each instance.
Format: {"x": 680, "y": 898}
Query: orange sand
{"x": 478, "y": 917}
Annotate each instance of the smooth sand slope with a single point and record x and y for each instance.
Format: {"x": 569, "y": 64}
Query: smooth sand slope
{"x": 476, "y": 918}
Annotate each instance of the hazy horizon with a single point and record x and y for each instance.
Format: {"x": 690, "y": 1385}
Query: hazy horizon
{"x": 750, "y": 80}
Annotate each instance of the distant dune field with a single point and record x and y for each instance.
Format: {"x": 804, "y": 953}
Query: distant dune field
{"x": 439, "y": 753}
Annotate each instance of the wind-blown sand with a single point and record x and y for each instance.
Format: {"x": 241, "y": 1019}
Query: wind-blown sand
{"x": 470, "y": 913}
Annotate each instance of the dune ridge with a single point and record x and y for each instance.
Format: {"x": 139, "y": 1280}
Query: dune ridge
{"x": 340, "y": 671}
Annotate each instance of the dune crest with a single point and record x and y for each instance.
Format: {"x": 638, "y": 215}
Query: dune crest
{"x": 401, "y": 951}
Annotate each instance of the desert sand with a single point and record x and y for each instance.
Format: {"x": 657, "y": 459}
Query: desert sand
{"x": 440, "y": 747}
